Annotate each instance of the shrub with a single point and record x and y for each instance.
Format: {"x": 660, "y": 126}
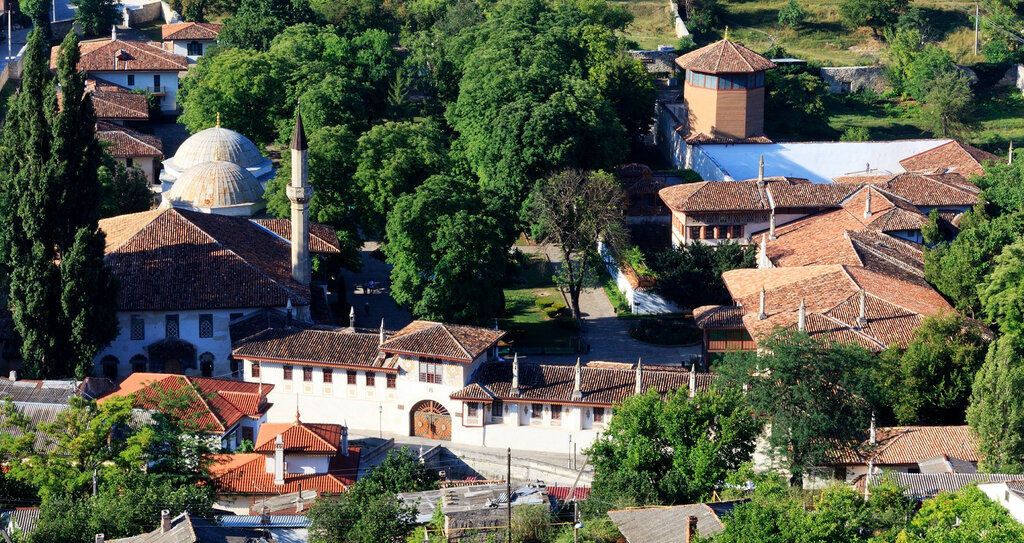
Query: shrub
{"x": 856, "y": 133}
{"x": 558, "y": 305}
{"x": 792, "y": 15}
{"x": 544, "y": 302}
{"x": 552, "y": 312}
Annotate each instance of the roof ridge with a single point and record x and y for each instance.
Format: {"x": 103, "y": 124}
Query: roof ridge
{"x": 128, "y": 133}
{"x": 309, "y": 428}
{"x": 857, "y": 331}
{"x": 457, "y": 342}
{"x": 143, "y": 227}
{"x": 215, "y": 413}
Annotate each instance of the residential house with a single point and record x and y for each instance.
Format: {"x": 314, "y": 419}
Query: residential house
{"x": 189, "y": 39}
{"x": 474, "y": 510}
{"x": 230, "y": 411}
{"x": 1009, "y": 494}
{"x": 909, "y": 449}
{"x": 288, "y": 457}
{"x": 922, "y": 486}
{"x": 675, "y": 524}
{"x": 132, "y": 65}
{"x": 19, "y": 520}
{"x": 132, "y": 148}
{"x": 117, "y": 104}
{"x": 186, "y": 528}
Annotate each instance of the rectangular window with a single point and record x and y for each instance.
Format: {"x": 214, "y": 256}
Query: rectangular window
{"x": 694, "y": 232}
{"x": 138, "y": 328}
{"x": 156, "y": 82}
{"x": 712, "y": 81}
{"x": 724, "y": 83}
{"x": 497, "y": 410}
{"x": 472, "y": 409}
{"x": 254, "y": 370}
{"x": 431, "y": 372}
{"x": 206, "y": 325}
{"x": 599, "y": 415}
{"x": 287, "y": 372}
{"x": 392, "y": 378}
{"x": 171, "y": 326}
{"x": 307, "y": 374}
{"x": 556, "y": 412}
{"x": 194, "y": 49}
{"x": 371, "y": 379}
{"x": 131, "y": 80}
{"x": 129, "y": 162}
{"x": 536, "y": 411}
{"x": 328, "y": 375}
{"x": 351, "y": 376}
{"x": 247, "y": 433}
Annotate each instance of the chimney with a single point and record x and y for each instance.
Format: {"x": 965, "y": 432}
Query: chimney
{"x": 762, "y": 253}
{"x": 299, "y": 505}
{"x": 762, "y": 313}
{"x": 100, "y": 538}
{"x": 691, "y": 529}
{"x": 771, "y": 224}
{"x": 801, "y": 317}
{"x": 862, "y": 319}
{"x": 577, "y": 389}
{"x": 867, "y": 203}
{"x": 515, "y": 374}
{"x": 873, "y": 435}
{"x": 380, "y": 341}
{"x": 14, "y": 375}
{"x": 299, "y": 192}
{"x": 352, "y": 319}
{"x": 693, "y": 380}
{"x": 113, "y": 32}
{"x": 288, "y": 313}
{"x": 279, "y": 460}
{"x": 760, "y": 173}
{"x": 165, "y": 521}
{"x": 638, "y": 388}
{"x": 344, "y": 440}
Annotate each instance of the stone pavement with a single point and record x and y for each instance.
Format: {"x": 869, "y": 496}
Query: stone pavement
{"x": 379, "y": 301}
{"x": 608, "y": 335}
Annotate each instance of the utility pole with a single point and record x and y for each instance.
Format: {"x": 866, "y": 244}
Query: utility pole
{"x": 977, "y": 15}
{"x": 508, "y": 502}
{"x": 575, "y": 521}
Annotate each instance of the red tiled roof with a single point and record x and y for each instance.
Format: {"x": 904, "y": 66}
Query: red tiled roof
{"x": 809, "y": 194}
{"x": 214, "y": 405}
{"x": 190, "y": 31}
{"x": 579, "y": 493}
{"x": 707, "y": 317}
{"x": 114, "y": 102}
{"x": 953, "y": 156}
{"x": 715, "y": 196}
{"x": 246, "y": 473}
{"x": 904, "y": 445}
{"x": 602, "y": 385}
{"x": 448, "y": 341}
{"x": 933, "y": 190}
{"x": 125, "y": 142}
{"x": 177, "y": 259}
{"x": 322, "y": 238}
{"x": 701, "y": 137}
{"x": 333, "y": 347}
{"x": 300, "y": 437}
{"x": 724, "y": 56}
{"x": 123, "y": 56}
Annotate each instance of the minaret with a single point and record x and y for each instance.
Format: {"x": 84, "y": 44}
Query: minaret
{"x": 299, "y": 192}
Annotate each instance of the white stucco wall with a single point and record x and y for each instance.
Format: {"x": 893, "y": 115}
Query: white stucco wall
{"x": 144, "y": 80}
{"x": 180, "y": 47}
{"x": 998, "y": 493}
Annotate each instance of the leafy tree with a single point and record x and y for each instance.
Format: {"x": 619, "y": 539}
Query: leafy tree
{"x": 336, "y": 200}
{"x": 702, "y": 17}
{"x": 925, "y": 68}
{"x": 96, "y": 16}
{"x": 240, "y": 86}
{"x": 671, "y": 450}
{"x": 447, "y": 256}
{"x": 996, "y": 413}
{"x": 792, "y": 15}
{"x": 930, "y": 231}
{"x": 574, "y": 210}
{"x": 967, "y": 515}
{"x": 257, "y": 22}
{"x": 38, "y": 11}
{"x": 63, "y": 298}
{"x": 625, "y": 83}
{"x": 356, "y": 16}
{"x": 930, "y": 381}
{"x": 532, "y": 523}
{"x": 194, "y": 10}
{"x": 691, "y": 275}
{"x": 1002, "y": 292}
{"x": 875, "y": 14}
{"x": 125, "y": 190}
{"x": 392, "y": 160}
{"x": 816, "y": 396}
{"x": 904, "y": 46}
{"x": 797, "y": 103}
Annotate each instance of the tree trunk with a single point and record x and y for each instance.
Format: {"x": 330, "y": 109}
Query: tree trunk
{"x": 574, "y": 302}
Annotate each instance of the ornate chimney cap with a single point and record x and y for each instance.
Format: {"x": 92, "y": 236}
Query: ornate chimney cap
{"x": 299, "y": 135}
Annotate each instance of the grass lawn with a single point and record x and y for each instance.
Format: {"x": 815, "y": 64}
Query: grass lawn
{"x": 652, "y": 23}
{"x": 529, "y": 328}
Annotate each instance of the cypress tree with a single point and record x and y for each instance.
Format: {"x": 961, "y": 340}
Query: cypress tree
{"x": 62, "y": 297}
{"x": 996, "y": 413}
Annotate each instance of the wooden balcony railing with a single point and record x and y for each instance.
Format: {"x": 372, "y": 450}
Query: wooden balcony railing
{"x": 721, "y": 346}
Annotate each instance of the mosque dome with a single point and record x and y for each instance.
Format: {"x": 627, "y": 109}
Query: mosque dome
{"x": 216, "y": 187}
{"x": 217, "y": 144}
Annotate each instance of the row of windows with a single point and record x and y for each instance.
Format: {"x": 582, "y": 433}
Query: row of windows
{"x": 156, "y": 80}
{"x": 722, "y": 231}
{"x": 328, "y": 373}
{"x": 172, "y": 326}
{"x": 726, "y": 81}
{"x": 140, "y": 364}
{"x": 536, "y": 411}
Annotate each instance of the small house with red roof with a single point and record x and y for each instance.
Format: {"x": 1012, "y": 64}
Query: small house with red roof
{"x": 231, "y": 411}
{"x": 189, "y": 39}
{"x": 290, "y": 457}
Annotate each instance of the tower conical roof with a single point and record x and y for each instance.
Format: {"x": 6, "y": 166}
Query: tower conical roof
{"x": 724, "y": 56}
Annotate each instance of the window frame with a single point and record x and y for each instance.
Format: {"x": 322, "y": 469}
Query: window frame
{"x": 254, "y": 370}
{"x": 140, "y": 321}
{"x": 206, "y": 318}
{"x": 287, "y": 372}
{"x": 497, "y": 410}
{"x": 189, "y": 51}
{"x": 431, "y": 370}
{"x": 537, "y": 411}
{"x": 307, "y": 374}
{"x": 328, "y": 375}
{"x": 392, "y": 381}
{"x": 350, "y": 376}
{"x": 371, "y": 378}
{"x": 168, "y": 321}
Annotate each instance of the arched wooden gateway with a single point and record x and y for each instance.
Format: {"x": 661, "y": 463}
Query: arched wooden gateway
{"x": 431, "y": 420}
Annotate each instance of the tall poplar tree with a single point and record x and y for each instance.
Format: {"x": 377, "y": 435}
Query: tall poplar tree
{"x": 62, "y": 297}
{"x": 996, "y": 413}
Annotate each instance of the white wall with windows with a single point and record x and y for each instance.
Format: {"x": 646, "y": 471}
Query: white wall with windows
{"x": 154, "y": 82}
{"x": 193, "y": 49}
{"x": 533, "y": 426}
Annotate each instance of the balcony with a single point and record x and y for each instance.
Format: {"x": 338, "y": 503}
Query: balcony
{"x": 159, "y": 90}
{"x": 726, "y": 345}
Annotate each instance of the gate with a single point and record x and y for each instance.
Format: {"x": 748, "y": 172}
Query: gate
{"x": 431, "y": 420}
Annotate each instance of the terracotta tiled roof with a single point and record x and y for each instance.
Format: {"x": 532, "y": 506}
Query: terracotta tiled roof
{"x": 325, "y": 347}
{"x": 124, "y": 56}
{"x": 214, "y": 405}
{"x": 247, "y": 474}
{"x": 114, "y": 102}
{"x": 125, "y": 142}
{"x": 903, "y": 445}
{"x": 300, "y": 437}
{"x": 724, "y": 56}
{"x": 322, "y": 238}
{"x": 448, "y": 341}
{"x": 601, "y": 385}
{"x": 177, "y": 259}
{"x": 707, "y": 317}
{"x": 702, "y": 138}
{"x": 809, "y": 194}
{"x": 933, "y": 190}
{"x": 669, "y": 524}
{"x": 715, "y": 196}
{"x": 190, "y": 31}
{"x": 863, "y": 179}
{"x": 953, "y": 156}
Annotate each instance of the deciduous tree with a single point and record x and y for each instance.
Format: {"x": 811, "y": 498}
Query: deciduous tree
{"x": 874, "y": 14}
{"x": 96, "y": 16}
{"x": 691, "y": 275}
{"x": 996, "y": 413}
{"x": 1002, "y": 292}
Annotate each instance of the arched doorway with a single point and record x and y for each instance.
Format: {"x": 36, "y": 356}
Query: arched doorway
{"x": 431, "y": 420}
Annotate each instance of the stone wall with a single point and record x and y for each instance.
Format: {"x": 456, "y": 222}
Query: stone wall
{"x": 142, "y": 14}
{"x": 845, "y": 79}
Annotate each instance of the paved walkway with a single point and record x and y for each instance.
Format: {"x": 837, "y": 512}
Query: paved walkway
{"x": 373, "y": 306}
{"x": 608, "y": 335}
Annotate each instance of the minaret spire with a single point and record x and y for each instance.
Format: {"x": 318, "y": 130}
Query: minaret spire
{"x": 299, "y": 192}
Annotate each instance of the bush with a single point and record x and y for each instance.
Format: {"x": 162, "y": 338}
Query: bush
{"x": 685, "y": 45}
{"x": 558, "y": 305}
{"x": 544, "y": 302}
{"x": 856, "y": 133}
{"x": 552, "y": 311}
{"x": 792, "y": 15}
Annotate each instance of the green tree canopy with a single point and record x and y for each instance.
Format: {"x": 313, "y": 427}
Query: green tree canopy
{"x": 874, "y": 14}
{"x": 797, "y": 102}
{"x": 691, "y": 275}
{"x": 996, "y": 413}
{"x": 1002, "y": 292}
{"x": 817, "y": 397}
{"x": 930, "y": 381}
{"x": 967, "y": 515}
{"x": 257, "y": 22}
{"x": 96, "y": 16}
{"x": 671, "y": 450}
